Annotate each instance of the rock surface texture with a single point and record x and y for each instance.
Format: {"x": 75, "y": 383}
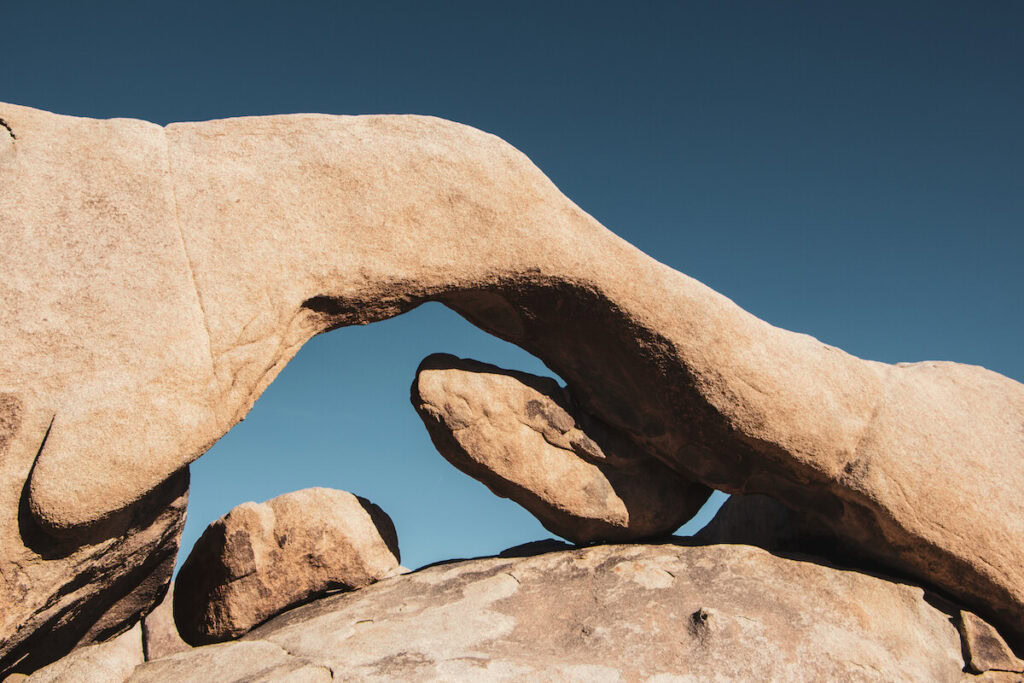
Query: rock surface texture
{"x": 60, "y": 593}
{"x": 985, "y": 649}
{"x": 604, "y": 613}
{"x": 156, "y": 280}
{"x": 112, "y": 661}
{"x": 160, "y": 637}
{"x": 262, "y": 558}
{"x": 515, "y": 433}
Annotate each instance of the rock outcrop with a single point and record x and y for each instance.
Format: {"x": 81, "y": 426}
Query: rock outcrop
{"x": 262, "y": 558}
{"x": 516, "y": 433}
{"x": 245, "y": 237}
{"x": 636, "y": 612}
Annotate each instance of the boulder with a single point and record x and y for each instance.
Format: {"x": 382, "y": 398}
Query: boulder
{"x": 109, "y": 662}
{"x": 262, "y": 558}
{"x": 634, "y": 612}
{"x": 518, "y": 434}
{"x": 195, "y": 260}
{"x": 160, "y": 636}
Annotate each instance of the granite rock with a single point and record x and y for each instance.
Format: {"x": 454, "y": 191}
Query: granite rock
{"x": 246, "y": 237}
{"x": 636, "y": 612}
{"x": 262, "y": 558}
{"x": 111, "y": 661}
{"x": 515, "y": 432}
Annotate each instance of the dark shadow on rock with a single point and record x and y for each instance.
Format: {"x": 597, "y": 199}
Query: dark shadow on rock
{"x": 108, "y": 612}
{"x": 533, "y": 548}
{"x": 385, "y": 527}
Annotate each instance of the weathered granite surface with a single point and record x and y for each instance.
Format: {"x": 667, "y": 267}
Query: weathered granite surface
{"x": 633, "y": 613}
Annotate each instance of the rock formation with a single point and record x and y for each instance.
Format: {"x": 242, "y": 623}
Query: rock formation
{"x": 515, "y": 433}
{"x": 613, "y": 613}
{"x": 260, "y": 559}
{"x": 157, "y": 279}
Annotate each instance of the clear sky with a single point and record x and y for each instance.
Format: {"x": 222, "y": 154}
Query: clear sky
{"x": 852, "y": 170}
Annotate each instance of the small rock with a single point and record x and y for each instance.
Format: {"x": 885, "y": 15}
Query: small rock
{"x": 518, "y": 434}
{"x": 160, "y": 636}
{"x": 262, "y": 558}
{"x": 985, "y": 648}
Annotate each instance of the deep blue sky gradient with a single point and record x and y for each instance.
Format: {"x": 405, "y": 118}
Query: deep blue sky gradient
{"x": 852, "y": 170}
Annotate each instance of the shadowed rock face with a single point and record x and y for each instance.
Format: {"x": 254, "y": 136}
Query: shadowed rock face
{"x": 157, "y": 280}
{"x": 515, "y": 433}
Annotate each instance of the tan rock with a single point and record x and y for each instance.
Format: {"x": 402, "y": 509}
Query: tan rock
{"x": 56, "y": 594}
{"x": 637, "y": 612}
{"x": 160, "y": 636}
{"x": 78, "y": 199}
{"x": 232, "y": 663}
{"x": 108, "y": 662}
{"x": 260, "y": 559}
{"x": 984, "y": 647}
{"x": 515, "y": 433}
{"x": 245, "y": 237}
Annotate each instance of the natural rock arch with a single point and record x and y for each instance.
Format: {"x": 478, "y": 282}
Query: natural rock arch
{"x": 161, "y": 277}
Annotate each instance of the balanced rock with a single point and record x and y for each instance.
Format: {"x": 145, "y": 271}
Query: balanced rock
{"x": 262, "y": 558}
{"x": 633, "y": 613}
{"x": 156, "y": 280}
{"x": 515, "y": 433}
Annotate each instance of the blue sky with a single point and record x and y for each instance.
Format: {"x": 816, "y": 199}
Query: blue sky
{"x": 852, "y": 170}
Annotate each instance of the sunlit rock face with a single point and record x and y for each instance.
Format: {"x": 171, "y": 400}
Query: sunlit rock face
{"x": 155, "y": 281}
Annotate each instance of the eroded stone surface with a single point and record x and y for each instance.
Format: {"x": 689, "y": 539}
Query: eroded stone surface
{"x": 515, "y": 433}
{"x": 248, "y": 236}
{"x": 160, "y": 636}
{"x": 111, "y": 661}
{"x": 261, "y": 662}
{"x": 56, "y": 594}
{"x": 261, "y": 558}
{"x": 985, "y": 648}
{"x": 612, "y": 613}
